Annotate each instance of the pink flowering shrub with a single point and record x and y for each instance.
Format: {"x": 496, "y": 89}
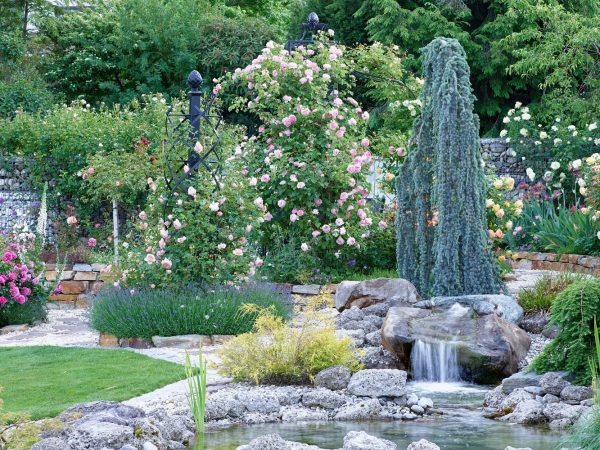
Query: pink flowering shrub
{"x": 198, "y": 235}
{"x": 21, "y": 294}
{"x": 310, "y": 156}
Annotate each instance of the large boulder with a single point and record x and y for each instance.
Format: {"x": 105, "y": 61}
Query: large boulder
{"x": 488, "y": 347}
{"x": 359, "y": 440}
{"x": 391, "y": 291}
{"x": 378, "y": 383}
{"x": 503, "y": 306}
{"x": 364, "y": 410}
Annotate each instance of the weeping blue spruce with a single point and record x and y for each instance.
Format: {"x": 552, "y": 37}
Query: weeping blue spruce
{"x": 442, "y": 181}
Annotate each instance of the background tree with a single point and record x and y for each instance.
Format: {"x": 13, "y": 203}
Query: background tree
{"x": 442, "y": 185}
{"x": 557, "y": 39}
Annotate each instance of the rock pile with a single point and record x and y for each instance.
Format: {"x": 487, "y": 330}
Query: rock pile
{"x": 111, "y": 425}
{"x": 370, "y": 394}
{"x": 536, "y": 399}
{"x": 355, "y": 440}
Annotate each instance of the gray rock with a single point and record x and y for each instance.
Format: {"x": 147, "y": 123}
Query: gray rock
{"x": 519, "y": 448}
{"x": 82, "y": 268}
{"x": 535, "y": 323}
{"x": 425, "y": 403}
{"x": 576, "y": 393}
{"x": 373, "y": 339}
{"x": 359, "y": 440}
{"x": 423, "y": 444}
{"x": 489, "y": 347}
{"x": 409, "y": 416}
{"x": 378, "y": 358}
{"x": 128, "y": 447}
{"x": 412, "y": 399}
{"x": 503, "y": 306}
{"x": 378, "y": 383}
{"x": 293, "y": 414}
{"x": 535, "y": 390}
{"x": 175, "y": 428}
{"x": 357, "y": 335}
{"x": 108, "y": 407}
{"x": 551, "y": 331}
{"x": 549, "y": 398}
{"x": 222, "y": 404}
{"x": 93, "y": 434}
{"x": 334, "y": 378}
{"x": 323, "y": 398}
{"x": 188, "y": 341}
{"x": 555, "y": 411}
{"x": 378, "y": 309}
{"x": 391, "y": 291}
{"x": 494, "y": 398}
{"x": 560, "y": 424}
{"x": 262, "y": 402}
{"x": 554, "y": 382}
{"x": 306, "y": 289}
{"x": 515, "y": 397}
{"x": 363, "y": 410}
{"x": 363, "y": 325}
{"x": 520, "y": 380}
{"x": 149, "y": 446}
{"x": 275, "y": 442}
{"x": 417, "y": 409}
{"x": 52, "y": 443}
{"x": 526, "y": 412}
{"x": 289, "y": 395}
{"x": 376, "y": 321}
{"x": 588, "y": 402}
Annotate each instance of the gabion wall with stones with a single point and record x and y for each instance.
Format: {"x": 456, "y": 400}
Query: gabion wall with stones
{"x": 498, "y": 154}
{"x": 19, "y": 204}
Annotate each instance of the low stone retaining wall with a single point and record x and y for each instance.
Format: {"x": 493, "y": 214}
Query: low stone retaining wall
{"x": 187, "y": 341}
{"x": 559, "y": 263}
{"x": 78, "y": 283}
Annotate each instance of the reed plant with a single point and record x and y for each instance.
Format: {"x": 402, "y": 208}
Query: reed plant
{"x": 196, "y": 378}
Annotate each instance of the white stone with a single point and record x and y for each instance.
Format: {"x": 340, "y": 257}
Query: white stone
{"x": 378, "y": 383}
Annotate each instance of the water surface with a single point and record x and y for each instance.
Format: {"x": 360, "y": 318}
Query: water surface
{"x": 461, "y": 427}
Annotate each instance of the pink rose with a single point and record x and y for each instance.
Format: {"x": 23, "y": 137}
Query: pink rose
{"x": 166, "y": 263}
{"x": 91, "y": 242}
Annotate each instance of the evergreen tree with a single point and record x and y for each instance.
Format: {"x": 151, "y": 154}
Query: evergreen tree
{"x": 443, "y": 181}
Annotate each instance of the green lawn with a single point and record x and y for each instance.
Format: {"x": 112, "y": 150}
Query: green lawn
{"x": 43, "y": 381}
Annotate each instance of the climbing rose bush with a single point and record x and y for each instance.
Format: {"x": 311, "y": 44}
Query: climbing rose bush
{"x": 502, "y": 211}
{"x": 20, "y": 287}
{"x": 309, "y": 158}
{"x": 198, "y": 234}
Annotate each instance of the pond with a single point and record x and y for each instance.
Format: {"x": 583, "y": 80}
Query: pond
{"x": 462, "y": 426}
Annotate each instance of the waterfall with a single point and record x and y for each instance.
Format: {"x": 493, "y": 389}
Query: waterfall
{"x": 434, "y": 361}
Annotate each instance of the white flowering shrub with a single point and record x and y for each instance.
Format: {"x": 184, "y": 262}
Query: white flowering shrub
{"x": 559, "y": 142}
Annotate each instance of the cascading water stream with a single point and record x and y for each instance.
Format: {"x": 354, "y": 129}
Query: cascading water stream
{"x": 437, "y": 360}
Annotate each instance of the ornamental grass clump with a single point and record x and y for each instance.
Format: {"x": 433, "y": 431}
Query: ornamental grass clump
{"x": 185, "y": 310}
{"x": 573, "y": 311}
{"x": 540, "y": 297}
{"x": 280, "y": 352}
{"x": 441, "y": 223}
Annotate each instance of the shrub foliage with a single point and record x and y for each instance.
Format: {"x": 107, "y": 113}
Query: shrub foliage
{"x": 276, "y": 352}
{"x": 573, "y": 311}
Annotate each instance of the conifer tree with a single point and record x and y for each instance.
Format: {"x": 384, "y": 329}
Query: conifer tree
{"x": 442, "y": 240}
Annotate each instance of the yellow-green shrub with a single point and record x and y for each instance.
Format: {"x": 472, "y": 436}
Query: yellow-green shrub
{"x": 279, "y": 352}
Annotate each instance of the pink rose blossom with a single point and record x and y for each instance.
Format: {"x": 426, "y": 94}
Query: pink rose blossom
{"x": 301, "y": 185}
{"x": 265, "y": 178}
{"x": 91, "y": 242}
{"x": 339, "y": 241}
{"x": 150, "y": 258}
{"x": 166, "y": 263}
{"x": 281, "y": 203}
{"x": 238, "y": 252}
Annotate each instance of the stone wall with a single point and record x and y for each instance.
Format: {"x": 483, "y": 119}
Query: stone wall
{"x": 18, "y": 203}
{"x": 562, "y": 263}
{"x": 498, "y": 154}
{"x": 78, "y": 283}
